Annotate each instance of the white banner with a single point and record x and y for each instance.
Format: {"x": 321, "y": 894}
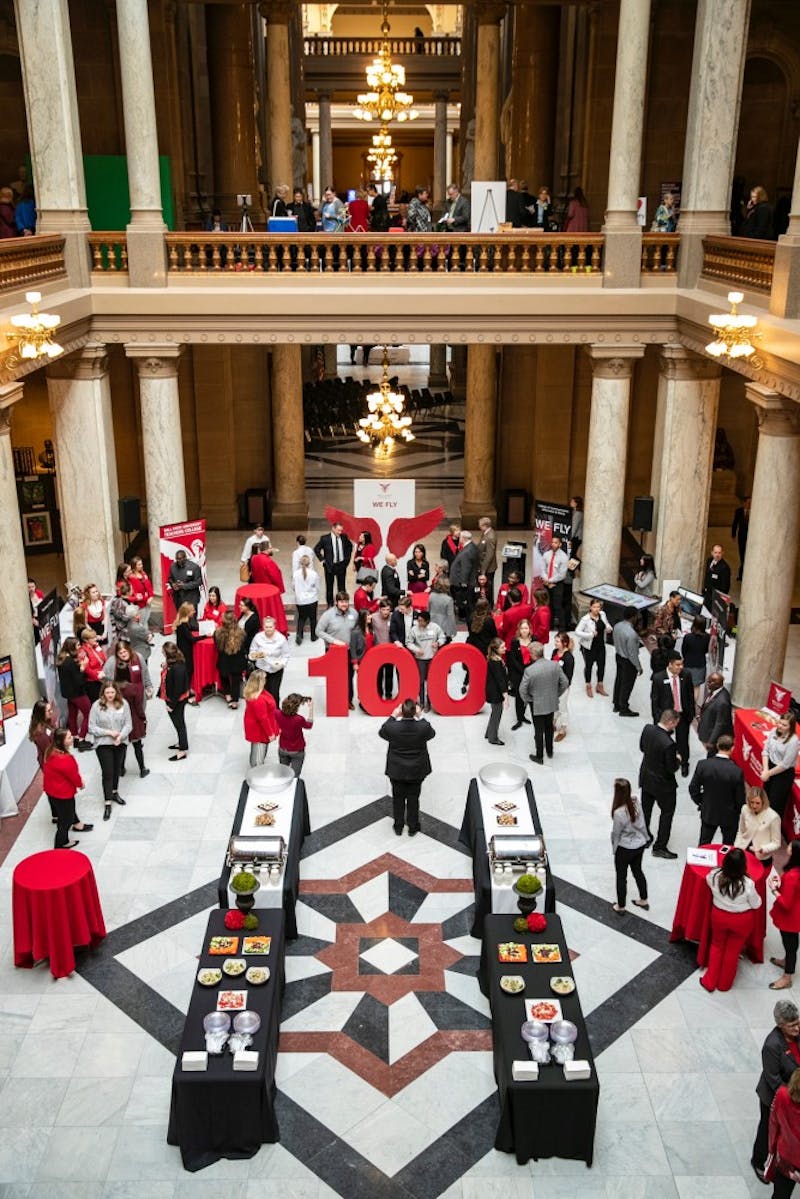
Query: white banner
{"x": 384, "y": 500}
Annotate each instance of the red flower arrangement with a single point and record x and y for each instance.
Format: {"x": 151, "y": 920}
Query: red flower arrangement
{"x": 537, "y": 923}
{"x": 234, "y": 919}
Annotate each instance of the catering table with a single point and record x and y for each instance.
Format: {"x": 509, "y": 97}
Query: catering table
{"x": 550, "y": 1117}
{"x": 473, "y": 835}
{"x": 205, "y": 667}
{"x": 55, "y": 907}
{"x": 18, "y": 762}
{"x": 300, "y": 828}
{"x": 217, "y": 1112}
{"x": 692, "y": 920}
{"x": 267, "y": 600}
{"x": 750, "y": 730}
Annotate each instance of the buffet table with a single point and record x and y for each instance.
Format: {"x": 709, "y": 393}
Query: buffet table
{"x": 298, "y": 827}
{"x": 549, "y": 1117}
{"x": 55, "y": 906}
{"x": 220, "y": 1112}
{"x": 205, "y": 667}
{"x": 474, "y": 835}
{"x": 267, "y": 601}
{"x": 692, "y": 921}
{"x": 750, "y": 730}
{"x": 18, "y": 762}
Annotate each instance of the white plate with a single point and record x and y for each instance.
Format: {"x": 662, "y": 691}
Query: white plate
{"x": 529, "y": 1004}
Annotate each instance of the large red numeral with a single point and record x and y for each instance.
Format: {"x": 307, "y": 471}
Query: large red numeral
{"x": 388, "y": 654}
{"x": 466, "y": 655}
{"x": 332, "y": 667}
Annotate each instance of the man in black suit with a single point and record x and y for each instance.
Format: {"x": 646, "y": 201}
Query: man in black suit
{"x": 407, "y": 762}
{"x": 334, "y": 551}
{"x": 673, "y": 689}
{"x": 464, "y": 574}
{"x": 657, "y": 782}
{"x": 717, "y": 787}
{"x": 717, "y": 576}
{"x": 716, "y": 713}
{"x": 401, "y": 620}
{"x": 739, "y": 530}
{"x": 778, "y": 1064}
{"x": 390, "y": 581}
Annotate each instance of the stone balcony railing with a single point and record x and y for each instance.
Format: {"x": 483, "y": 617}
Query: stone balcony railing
{"x": 28, "y": 260}
{"x": 740, "y": 261}
{"x": 342, "y": 47}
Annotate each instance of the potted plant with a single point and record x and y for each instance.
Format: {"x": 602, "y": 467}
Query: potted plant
{"x": 527, "y": 887}
{"x": 244, "y": 884}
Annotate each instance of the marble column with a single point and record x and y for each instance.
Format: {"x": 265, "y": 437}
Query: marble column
{"x": 440, "y": 178}
{"x": 480, "y": 434}
{"x": 768, "y": 579}
{"x": 689, "y": 399}
{"x": 16, "y": 629}
{"x": 289, "y": 506}
{"x": 51, "y": 104}
{"x": 437, "y": 370}
{"x": 83, "y": 429}
{"x": 316, "y": 190}
{"x": 785, "y": 297}
{"x": 604, "y": 493}
{"x": 623, "y": 250}
{"x": 487, "y": 89}
{"x": 720, "y": 45}
{"x": 325, "y": 144}
{"x": 162, "y": 443}
{"x": 233, "y": 123}
{"x": 278, "y": 14}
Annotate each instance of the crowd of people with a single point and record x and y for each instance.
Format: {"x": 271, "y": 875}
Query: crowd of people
{"x": 17, "y": 207}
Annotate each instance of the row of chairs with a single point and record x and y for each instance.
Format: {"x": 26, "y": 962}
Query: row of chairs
{"x": 333, "y": 407}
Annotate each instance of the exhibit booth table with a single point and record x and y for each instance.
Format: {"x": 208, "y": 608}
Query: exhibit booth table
{"x": 692, "y": 920}
{"x": 205, "y": 667}
{"x": 751, "y": 728}
{"x": 55, "y": 908}
{"x": 267, "y": 600}
{"x": 18, "y": 762}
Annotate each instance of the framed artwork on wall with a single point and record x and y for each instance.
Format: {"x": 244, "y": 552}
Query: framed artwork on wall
{"x": 8, "y": 700}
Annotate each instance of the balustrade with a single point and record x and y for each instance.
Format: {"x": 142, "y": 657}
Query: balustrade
{"x": 660, "y": 253}
{"x": 340, "y": 47}
{"x": 109, "y": 252}
{"x": 743, "y": 261}
{"x": 26, "y": 260}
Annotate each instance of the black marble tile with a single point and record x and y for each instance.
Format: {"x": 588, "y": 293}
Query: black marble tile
{"x": 454, "y": 1153}
{"x": 150, "y": 1010}
{"x": 450, "y": 1014}
{"x": 369, "y": 1026}
{"x": 304, "y": 991}
{"x": 405, "y": 899}
{"x": 339, "y": 908}
{"x": 467, "y": 965}
{"x": 442, "y": 832}
{"x": 460, "y": 924}
{"x": 633, "y": 926}
{"x": 160, "y": 919}
{"x": 345, "y": 826}
{"x": 305, "y": 947}
{"x": 626, "y": 1007}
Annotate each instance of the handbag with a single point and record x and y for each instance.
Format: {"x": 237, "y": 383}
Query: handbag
{"x": 244, "y": 573}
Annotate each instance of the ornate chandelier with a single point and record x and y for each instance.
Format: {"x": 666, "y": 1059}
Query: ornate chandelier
{"x": 33, "y": 333}
{"x": 383, "y": 155}
{"x": 386, "y": 422}
{"x": 385, "y": 101}
{"x": 734, "y": 332}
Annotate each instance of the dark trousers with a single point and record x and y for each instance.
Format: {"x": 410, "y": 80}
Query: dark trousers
{"x": 65, "y": 813}
{"x": 623, "y": 684}
{"x": 682, "y": 739}
{"x": 423, "y": 666}
{"x": 110, "y": 758}
{"x": 78, "y": 716}
{"x": 334, "y": 575}
{"x": 782, "y": 1187}
{"x": 666, "y": 804}
{"x": 623, "y": 859}
{"x": 138, "y": 753}
{"x": 306, "y": 612}
{"x": 761, "y": 1143}
{"x": 543, "y": 734}
{"x": 405, "y": 802}
{"x": 707, "y": 832}
{"x": 232, "y": 685}
{"x": 557, "y": 605}
{"x": 386, "y": 682}
{"x": 493, "y": 727}
{"x": 519, "y": 708}
{"x": 596, "y": 656}
{"x": 779, "y": 788}
{"x": 273, "y": 684}
{"x": 790, "y": 942}
{"x": 178, "y": 717}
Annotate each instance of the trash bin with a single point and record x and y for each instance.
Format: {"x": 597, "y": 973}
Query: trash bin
{"x": 517, "y": 506}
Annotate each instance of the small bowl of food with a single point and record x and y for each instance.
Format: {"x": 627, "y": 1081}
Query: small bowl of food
{"x": 246, "y": 1022}
{"x": 512, "y": 984}
{"x": 209, "y": 977}
{"x": 234, "y": 966}
{"x": 257, "y": 975}
{"x": 562, "y": 984}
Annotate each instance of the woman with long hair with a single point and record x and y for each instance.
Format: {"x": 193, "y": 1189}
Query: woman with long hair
{"x": 734, "y": 901}
{"x": 778, "y": 761}
{"x": 174, "y": 691}
{"x": 249, "y": 621}
{"x": 110, "y": 724}
{"x": 645, "y": 577}
{"x": 786, "y": 917}
{"x": 759, "y": 827}
{"x": 215, "y": 609}
{"x": 95, "y": 608}
{"x": 482, "y": 631}
{"x": 364, "y": 552}
{"x": 129, "y": 671}
{"x": 229, "y": 640}
{"x": 590, "y": 633}
{"x": 291, "y": 722}
{"x": 442, "y": 608}
{"x": 187, "y": 631}
{"x": 41, "y": 728}
{"x": 62, "y": 781}
{"x": 73, "y": 690}
{"x": 122, "y": 611}
{"x": 563, "y": 654}
{"x": 542, "y": 616}
{"x": 92, "y": 659}
{"x": 628, "y": 843}
{"x": 784, "y": 1138}
{"x": 496, "y": 688}
{"x": 519, "y": 659}
{"x": 418, "y": 570}
{"x": 141, "y": 589}
{"x": 306, "y": 596}
{"x": 260, "y": 725}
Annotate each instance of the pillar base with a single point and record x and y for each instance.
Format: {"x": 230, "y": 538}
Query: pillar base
{"x": 623, "y": 257}
{"x": 147, "y": 263}
{"x": 290, "y": 515}
{"x": 472, "y": 512}
{"x": 438, "y": 382}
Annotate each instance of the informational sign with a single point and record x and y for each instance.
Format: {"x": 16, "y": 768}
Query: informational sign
{"x": 779, "y": 698}
{"x": 549, "y": 521}
{"x": 487, "y": 201}
{"x": 8, "y": 700}
{"x": 50, "y": 636}
{"x": 641, "y": 211}
{"x": 384, "y": 501}
{"x": 190, "y": 536}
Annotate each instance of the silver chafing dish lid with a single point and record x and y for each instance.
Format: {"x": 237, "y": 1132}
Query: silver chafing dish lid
{"x": 256, "y": 849}
{"x": 503, "y": 776}
{"x": 513, "y": 848}
{"x": 270, "y": 778}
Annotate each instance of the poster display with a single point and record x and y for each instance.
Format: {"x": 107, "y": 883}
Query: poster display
{"x": 720, "y": 609}
{"x": 50, "y": 638}
{"x": 487, "y": 199}
{"x": 189, "y": 535}
{"x": 778, "y": 700}
{"x": 8, "y": 700}
{"x": 549, "y": 520}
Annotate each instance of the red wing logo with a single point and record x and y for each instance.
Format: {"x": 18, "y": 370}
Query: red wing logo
{"x": 403, "y": 531}
{"x": 384, "y": 487}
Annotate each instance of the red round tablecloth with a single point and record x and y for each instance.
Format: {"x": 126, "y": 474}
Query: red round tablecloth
{"x": 205, "y": 666}
{"x": 55, "y": 907}
{"x": 692, "y": 920}
{"x": 750, "y": 730}
{"x": 267, "y": 600}
{"x": 420, "y": 600}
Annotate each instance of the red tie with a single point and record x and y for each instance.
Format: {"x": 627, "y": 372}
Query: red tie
{"x": 552, "y": 564}
{"x": 676, "y": 695}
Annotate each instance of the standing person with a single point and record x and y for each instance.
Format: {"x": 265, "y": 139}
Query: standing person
{"x": 122, "y": 612}
{"x": 542, "y": 615}
{"x": 249, "y": 622}
{"x": 463, "y": 573}
{"x": 418, "y": 571}
{"x": 408, "y": 763}
{"x": 496, "y": 688}
{"x": 780, "y": 1055}
{"x": 141, "y": 590}
{"x": 759, "y": 827}
{"x": 360, "y": 641}
{"x": 95, "y": 608}
{"x": 667, "y": 620}
{"x": 381, "y": 623}
{"x": 672, "y": 688}
{"x": 364, "y": 552}
{"x": 215, "y": 609}
{"x": 300, "y": 551}
{"x": 542, "y": 684}
{"x": 513, "y": 583}
{"x": 482, "y": 631}
{"x": 424, "y": 640}
{"x": 110, "y": 724}
{"x": 563, "y": 654}
{"x": 260, "y": 725}
{"x": 739, "y": 529}
{"x": 174, "y": 691}
{"x": 645, "y": 578}
{"x": 577, "y": 220}
{"x": 335, "y": 628}
{"x": 41, "y": 729}
{"x": 717, "y": 788}
{"x": 590, "y": 633}
{"x": 734, "y": 903}
{"x": 292, "y": 723}
{"x": 187, "y": 632}
{"x": 716, "y": 714}
{"x": 401, "y": 621}
{"x": 695, "y": 655}
{"x": 576, "y": 532}
{"x": 450, "y": 546}
{"x": 302, "y": 211}
{"x": 305, "y": 581}
{"x": 92, "y": 660}
{"x": 556, "y": 564}
{"x": 626, "y": 650}
{"x": 73, "y": 690}
{"x": 229, "y": 641}
{"x": 516, "y": 611}
{"x": 519, "y": 659}
{"x": 264, "y": 568}
{"x": 786, "y": 916}
{"x": 487, "y": 553}
{"x": 364, "y": 600}
{"x": 717, "y": 576}
{"x": 758, "y": 220}
{"x": 390, "y": 581}
{"x": 657, "y": 781}
{"x": 778, "y": 761}
{"x": 334, "y": 551}
{"x": 129, "y": 672}
{"x": 61, "y": 780}
{"x": 441, "y": 608}
{"x": 784, "y": 1138}
{"x": 628, "y": 843}
{"x": 258, "y": 535}
{"x": 185, "y": 581}
{"x": 269, "y": 651}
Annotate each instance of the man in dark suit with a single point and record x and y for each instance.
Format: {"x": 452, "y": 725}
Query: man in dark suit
{"x": 717, "y": 787}
{"x": 739, "y": 530}
{"x": 334, "y": 551}
{"x": 464, "y": 574}
{"x": 716, "y": 713}
{"x": 717, "y": 576}
{"x": 673, "y": 689}
{"x": 778, "y": 1064}
{"x": 390, "y": 581}
{"x": 657, "y": 782}
{"x": 407, "y": 762}
{"x": 401, "y": 620}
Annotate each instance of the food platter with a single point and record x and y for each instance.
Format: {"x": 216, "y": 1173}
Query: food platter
{"x": 512, "y": 984}
{"x": 545, "y": 954}
{"x": 220, "y": 946}
{"x": 234, "y": 966}
{"x": 264, "y": 820}
{"x": 506, "y": 820}
{"x": 562, "y": 984}
{"x": 505, "y": 805}
{"x": 256, "y": 945}
{"x": 209, "y": 977}
{"x": 511, "y": 951}
{"x": 545, "y": 1010}
{"x": 257, "y": 975}
{"x": 231, "y": 1001}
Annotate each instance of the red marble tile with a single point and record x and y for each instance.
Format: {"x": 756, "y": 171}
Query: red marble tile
{"x": 12, "y": 826}
{"x": 385, "y": 863}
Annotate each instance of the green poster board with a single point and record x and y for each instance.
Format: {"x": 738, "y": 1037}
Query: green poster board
{"x": 107, "y": 191}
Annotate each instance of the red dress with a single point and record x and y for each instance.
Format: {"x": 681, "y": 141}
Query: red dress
{"x": 259, "y": 719}
{"x": 510, "y": 622}
{"x": 540, "y": 623}
{"x": 359, "y": 216}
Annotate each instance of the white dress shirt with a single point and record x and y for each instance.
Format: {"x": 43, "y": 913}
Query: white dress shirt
{"x": 306, "y": 590}
{"x": 251, "y": 541}
{"x": 273, "y": 651}
{"x": 748, "y": 898}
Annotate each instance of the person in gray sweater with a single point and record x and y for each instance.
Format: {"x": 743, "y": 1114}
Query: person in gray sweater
{"x": 541, "y": 686}
{"x": 628, "y": 842}
{"x": 442, "y": 609}
{"x": 109, "y": 727}
{"x": 626, "y": 647}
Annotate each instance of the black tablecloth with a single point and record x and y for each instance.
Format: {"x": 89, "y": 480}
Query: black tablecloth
{"x": 301, "y": 827}
{"x": 550, "y": 1117}
{"x": 473, "y": 835}
{"x": 217, "y": 1112}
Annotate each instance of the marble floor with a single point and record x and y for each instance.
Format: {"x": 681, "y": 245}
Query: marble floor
{"x": 385, "y": 1082}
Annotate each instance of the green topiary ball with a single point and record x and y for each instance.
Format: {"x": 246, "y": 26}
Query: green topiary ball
{"x": 250, "y": 922}
{"x": 521, "y": 925}
{"x": 243, "y": 882}
{"x": 528, "y": 884}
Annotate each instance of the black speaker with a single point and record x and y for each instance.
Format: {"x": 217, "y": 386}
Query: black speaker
{"x": 643, "y": 513}
{"x": 130, "y": 514}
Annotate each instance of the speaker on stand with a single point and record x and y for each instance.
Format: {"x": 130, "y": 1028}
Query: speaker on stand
{"x": 130, "y": 517}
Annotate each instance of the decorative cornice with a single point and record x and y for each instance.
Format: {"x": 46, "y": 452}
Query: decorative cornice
{"x": 155, "y": 361}
{"x": 89, "y": 362}
{"x": 613, "y": 362}
{"x": 676, "y": 362}
{"x": 10, "y": 394}
{"x": 776, "y": 416}
{"x": 694, "y": 338}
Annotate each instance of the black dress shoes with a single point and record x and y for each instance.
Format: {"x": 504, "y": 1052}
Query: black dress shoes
{"x": 627, "y": 712}
{"x": 516, "y": 726}
{"x": 538, "y": 761}
{"x": 664, "y": 853}
{"x": 497, "y": 742}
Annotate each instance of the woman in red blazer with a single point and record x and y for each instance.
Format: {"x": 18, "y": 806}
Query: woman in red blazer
{"x": 786, "y": 917}
{"x": 264, "y": 568}
{"x": 260, "y": 725}
{"x": 62, "y": 780}
{"x": 540, "y": 620}
{"x": 215, "y": 609}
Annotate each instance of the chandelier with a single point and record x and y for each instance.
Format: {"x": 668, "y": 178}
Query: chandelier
{"x": 383, "y": 155}
{"x": 385, "y": 101}
{"x": 33, "y": 333}
{"x": 386, "y": 422}
{"x": 734, "y": 332}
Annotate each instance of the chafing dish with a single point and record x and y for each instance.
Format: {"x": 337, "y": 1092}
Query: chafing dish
{"x": 517, "y": 851}
{"x": 256, "y": 852}
{"x": 503, "y": 776}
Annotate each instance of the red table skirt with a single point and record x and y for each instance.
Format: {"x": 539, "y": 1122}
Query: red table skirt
{"x": 420, "y": 600}
{"x": 750, "y": 731}
{"x": 55, "y": 906}
{"x": 692, "y": 920}
{"x": 267, "y": 600}
{"x": 205, "y": 667}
